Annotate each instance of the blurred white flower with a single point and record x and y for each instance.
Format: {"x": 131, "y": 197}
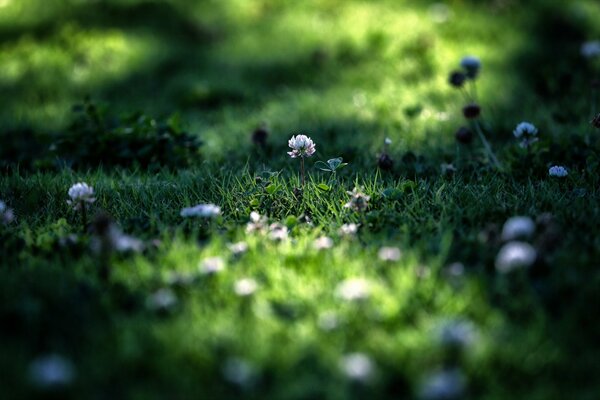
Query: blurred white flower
{"x": 348, "y": 229}
{"x": 257, "y": 223}
{"x": 515, "y": 255}
{"x": 212, "y": 265}
{"x": 80, "y": 193}
{"x": 591, "y": 49}
{"x": 51, "y": 371}
{"x": 526, "y": 132}
{"x": 161, "y": 300}
{"x": 558, "y": 171}
{"x": 389, "y": 254}
{"x": 518, "y": 228}
{"x": 357, "y": 367}
{"x": 245, "y": 287}
{"x": 201, "y": 210}
{"x": 278, "y": 232}
{"x": 448, "y": 384}
{"x": 239, "y": 372}
{"x": 6, "y": 214}
{"x": 239, "y": 248}
{"x": 328, "y": 321}
{"x": 456, "y": 333}
{"x": 472, "y": 65}
{"x": 387, "y": 141}
{"x": 302, "y": 146}
{"x": 113, "y": 238}
{"x": 358, "y": 200}
{"x": 353, "y": 289}
{"x": 323, "y": 243}
{"x": 439, "y": 12}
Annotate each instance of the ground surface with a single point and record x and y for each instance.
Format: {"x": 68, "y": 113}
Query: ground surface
{"x": 286, "y": 319}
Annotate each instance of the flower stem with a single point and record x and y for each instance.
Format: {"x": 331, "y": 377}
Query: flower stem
{"x": 83, "y": 216}
{"x": 487, "y": 146}
{"x": 302, "y": 170}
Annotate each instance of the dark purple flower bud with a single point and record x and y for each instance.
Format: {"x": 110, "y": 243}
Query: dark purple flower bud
{"x": 464, "y": 135}
{"x": 471, "y": 111}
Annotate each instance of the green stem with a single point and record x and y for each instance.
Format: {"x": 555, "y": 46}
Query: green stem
{"x": 83, "y": 216}
{"x": 302, "y": 170}
{"x": 487, "y": 146}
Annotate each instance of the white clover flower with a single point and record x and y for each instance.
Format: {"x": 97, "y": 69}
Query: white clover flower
{"x": 456, "y": 333}
{"x": 447, "y": 384}
{"x": 6, "y": 214}
{"x": 590, "y": 49}
{"x": 323, "y": 243}
{"x": 51, "y": 371}
{"x": 278, "y": 232}
{"x": 302, "y": 146}
{"x": 358, "y": 200}
{"x": 245, "y": 287}
{"x": 80, "y": 193}
{"x": 201, "y": 210}
{"x": 387, "y": 141}
{"x": 239, "y": 248}
{"x": 239, "y": 372}
{"x": 257, "y": 223}
{"x": 212, "y": 265}
{"x": 2, "y": 206}
{"x": 515, "y": 255}
{"x": 389, "y": 254}
{"x": 525, "y": 129}
{"x": 517, "y": 228}
{"x": 161, "y": 300}
{"x": 353, "y": 289}
{"x": 472, "y": 65}
{"x": 328, "y": 321}
{"x": 558, "y": 171}
{"x": 348, "y": 229}
{"x": 357, "y": 367}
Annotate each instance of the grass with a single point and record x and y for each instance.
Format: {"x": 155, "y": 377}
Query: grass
{"x": 348, "y": 74}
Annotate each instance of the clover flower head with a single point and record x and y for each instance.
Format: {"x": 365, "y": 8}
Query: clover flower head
{"x": 51, "y": 371}
{"x": 358, "y": 200}
{"x": 80, "y": 193}
{"x": 354, "y": 289}
{"x": 357, "y": 367}
{"x": 590, "y": 49}
{"x": 302, "y": 146}
{"x": 212, "y": 265}
{"x": 389, "y": 254}
{"x": 278, "y": 232}
{"x": 387, "y": 141}
{"x": 448, "y": 384}
{"x": 525, "y": 129}
{"x": 201, "y": 210}
{"x": 239, "y": 248}
{"x": 161, "y": 300}
{"x": 515, "y": 255}
{"x": 239, "y": 372}
{"x": 518, "y": 228}
{"x": 245, "y": 287}
{"x": 558, "y": 171}
{"x": 472, "y": 65}
{"x": 6, "y": 214}
{"x": 257, "y": 223}
{"x": 456, "y": 333}
{"x": 348, "y": 229}
{"x": 323, "y": 243}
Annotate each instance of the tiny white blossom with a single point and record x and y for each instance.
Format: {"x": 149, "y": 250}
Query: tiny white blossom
{"x": 302, "y": 146}
{"x": 472, "y": 65}
{"x": 558, "y": 171}
{"x": 443, "y": 385}
{"x": 525, "y": 128}
{"x": 51, "y": 371}
{"x": 238, "y": 248}
{"x": 201, "y": 210}
{"x": 6, "y": 214}
{"x": 515, "y": 255}
{"x": 161, "y": 300}
{"x": 278, "y": 232}
{"x": 353, "y": 289}
{"x": 257, "y": 223}
{"x": 387, "y": 141}
{"x": 212, "y": 265}
{"x": 328, "y": 321}
{"x": 323, "y": 243}
{"x": 389, "y": 254}
{"x": 348, "y": 229}
{"x": 358, "y": 201}
{"x": 357, "y": 367}
{"x": 80, "y": 193}
{"x": 591, "y": 49}
{"x": 518, "y": 228}
{"x": 456, "y": 333}
{"x": 245, "y": 287}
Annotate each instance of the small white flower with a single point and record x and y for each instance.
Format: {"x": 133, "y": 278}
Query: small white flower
{"x": 525, "y": 129}
{"x": 161, "y": 300}
{"x": 239, "y": 372}
{"x": 238, "y": 248}
{"x": 6, "y": 214}
{"x": 80, "y": 193}
{"x": 201, "y": 210}
{"x": 302, "y": 146}
{"x": 348, "y": 229}
{"x": 472, "y": 65}
{"x": 558, "y": 171}
{"x": 518, "y": 228}
{"x": 212, "y": 265}
{"x": 51, "y": 371}
{"x": 278, "y": 232}
{"x": 245, "y": 287}
{"x": 257, "y": 223}
{"x": 456, "y": 333}
{"x": 387, "y": 141}
{"x": 358, "y": 201}
{"x": 2, "y": 206}
{"x": 591, "y": 49}
{"x": 357, "y": 367}
{"x": 353, "y": 289}
{"x": 389, "y": 254}
{"x": 444, "y": 385}
{"x": 328, "y": 321}
{"x": 515, "y": 255}
{"x": 323, "y": 243}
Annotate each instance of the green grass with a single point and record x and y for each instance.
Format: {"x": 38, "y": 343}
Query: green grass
{"x": 348, "y": 74}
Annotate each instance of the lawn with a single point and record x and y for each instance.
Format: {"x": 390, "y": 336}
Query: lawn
{"x": 447, "y": 255}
